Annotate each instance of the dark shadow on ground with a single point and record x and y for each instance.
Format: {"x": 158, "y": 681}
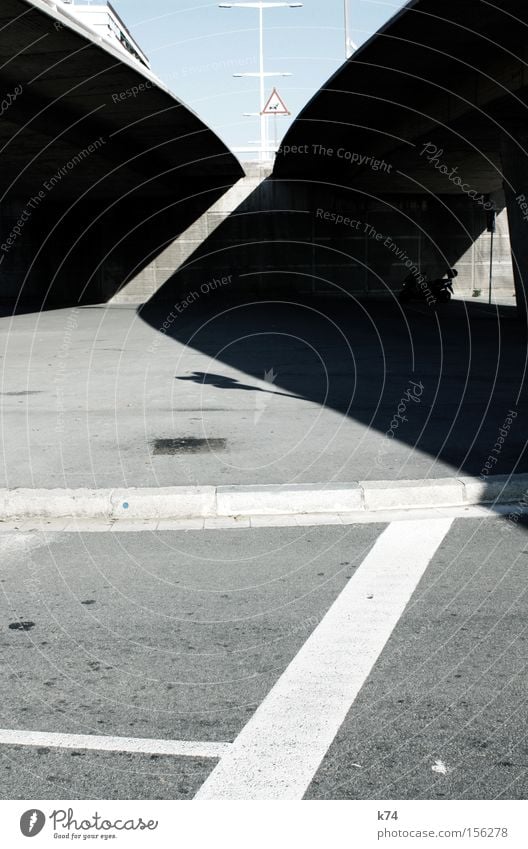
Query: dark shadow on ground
{"x": 464, "y": 363}
{"x": 221, "y": 382}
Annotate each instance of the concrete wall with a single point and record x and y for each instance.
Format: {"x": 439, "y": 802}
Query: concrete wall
{"x": 297, "y": 237}
{"x": 195, "y": 240}
{"x": 62, "y": 252}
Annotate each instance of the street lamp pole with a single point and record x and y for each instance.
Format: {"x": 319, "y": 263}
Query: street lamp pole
{"x": 263, "y": 144}
{"x": 350, "y": 47}
{"x": 346, "y": 29}
{"x": 261, "y": 72}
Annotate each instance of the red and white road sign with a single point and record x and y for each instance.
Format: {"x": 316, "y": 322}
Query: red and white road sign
{"x": 275, "y": 105}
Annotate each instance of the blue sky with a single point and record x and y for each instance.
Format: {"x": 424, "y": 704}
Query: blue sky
{"x": 196, "y": 47}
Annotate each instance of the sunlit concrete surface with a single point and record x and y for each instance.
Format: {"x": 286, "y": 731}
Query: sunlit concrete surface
{"x": 276, "y": 393}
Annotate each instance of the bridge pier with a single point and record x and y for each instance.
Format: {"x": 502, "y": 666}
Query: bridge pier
{"x": 514, "y": 154}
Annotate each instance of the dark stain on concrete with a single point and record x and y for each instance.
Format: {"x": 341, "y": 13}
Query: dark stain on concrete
{"x": 186, "y": 445}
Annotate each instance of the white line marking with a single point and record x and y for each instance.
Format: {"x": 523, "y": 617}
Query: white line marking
{"x": 278, "y": 752}
{"x": 177, "y": 748}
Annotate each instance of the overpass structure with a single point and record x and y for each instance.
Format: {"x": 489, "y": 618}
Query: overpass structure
{"x": 102, "y": 165}
{"x": 112, "y": 188}
{"x": 396, "y": 163}
{"x": 405, "y": 150}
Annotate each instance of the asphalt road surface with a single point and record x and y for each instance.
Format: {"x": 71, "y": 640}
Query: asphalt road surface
{"x": 365, "y": 661}
{"x": 276, "y": 392}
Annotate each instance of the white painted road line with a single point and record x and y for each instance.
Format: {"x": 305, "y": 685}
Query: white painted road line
{"x": 278, "y": 752}
{"x": 176, "y": 748}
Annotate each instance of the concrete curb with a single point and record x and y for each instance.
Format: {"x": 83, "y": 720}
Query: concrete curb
{"x": 209, "y": 502}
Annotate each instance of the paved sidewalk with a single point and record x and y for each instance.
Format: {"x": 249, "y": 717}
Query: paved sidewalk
{"x": 259, "y": 394}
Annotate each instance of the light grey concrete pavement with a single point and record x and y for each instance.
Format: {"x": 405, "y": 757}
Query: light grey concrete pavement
{"x": 99, "y": 397}
{"x": 181, "y": 635}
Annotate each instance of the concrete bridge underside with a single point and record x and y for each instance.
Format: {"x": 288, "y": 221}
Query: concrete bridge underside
{"x": 432, "y": 113}
{"x": 107, "y": 195}
{"x": 396, "y": 158}
{"x": 101, "y": 165}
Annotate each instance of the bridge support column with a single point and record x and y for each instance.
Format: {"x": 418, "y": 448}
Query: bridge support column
{"x": 515, "y": 176}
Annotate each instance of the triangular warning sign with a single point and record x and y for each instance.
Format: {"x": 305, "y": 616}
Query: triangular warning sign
{"x": 275, "y": 105}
